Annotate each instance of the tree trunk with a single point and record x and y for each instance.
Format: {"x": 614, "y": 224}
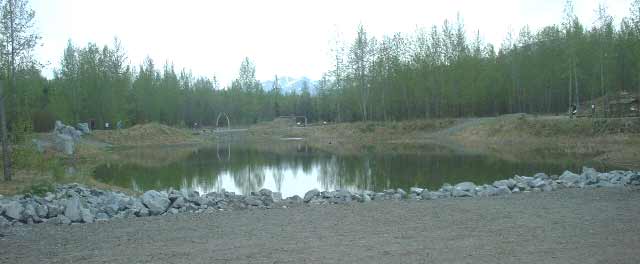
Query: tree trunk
{"x": 570, "y": 91}
{"x": 575, "y": 78}
{"x": 6, "y": 152}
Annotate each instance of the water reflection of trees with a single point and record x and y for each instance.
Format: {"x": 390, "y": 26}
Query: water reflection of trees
{"x": 247, "y": 167}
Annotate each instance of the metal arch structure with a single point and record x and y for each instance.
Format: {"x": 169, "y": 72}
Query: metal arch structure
{"x": 223, "y": 114}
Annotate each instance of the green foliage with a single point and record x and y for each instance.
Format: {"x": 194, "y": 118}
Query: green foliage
{"x": 433, "y": 72}
{"x": 43, "y": 121}
{"x": 39, "y": 188}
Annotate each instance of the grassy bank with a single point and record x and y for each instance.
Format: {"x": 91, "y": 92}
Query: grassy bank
{"x": 149, "y": 144}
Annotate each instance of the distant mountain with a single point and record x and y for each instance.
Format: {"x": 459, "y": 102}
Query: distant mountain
{"x": 290, "y": 84}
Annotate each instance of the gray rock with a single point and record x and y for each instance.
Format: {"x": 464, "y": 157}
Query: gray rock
{"x": 42, "y": 211}
{"x": 143, "y": 212}
{"x": 178, "y": 203}
{"x": 439, "y": 195}
{"x": 30, "y": 213}
{"x": 523, "y": 181}
{"x": 55, "y": 209}
{"x": 416, "y": 190}
{"x": 343, "y": 195}
{"x": 569, "y": 178}
{"x": 4, "y": 222}
{"x": 253, "y": 201}
{"x": 310, "y": 195}
{"x": 64, "y": 143}
{"x": 102, "y": 217}
{"x": 60, "y": 220}
{"x": 15, "y": 211}
{"x": 465, "y": 187}
{"x": 485, "y": 191}
{"x": 366, "y": 198}
{"x": 86, "y": 215}
{"x": 265, "y": 192}
{"x": 461, "y": 193}
{"x": 267, "y": 200}
{"x": 541, "y": 176}
{"x": 277, "y": 197}
{"x": 157, "y": 202}
{"x": 73, "y": 209}
{"x": 537, "y": 183}
{"x": 84, "y": 128}
{"x": 401, "y": 192}
{"x": 502, "y": 190}
{"x": 546, "y": 188}
{"x": 294, "y": 199}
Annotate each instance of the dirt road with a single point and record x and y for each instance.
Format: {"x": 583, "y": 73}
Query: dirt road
{"x": 568, "y": 226}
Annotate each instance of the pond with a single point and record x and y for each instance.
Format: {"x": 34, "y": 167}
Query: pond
{"x": 294, "y": 168}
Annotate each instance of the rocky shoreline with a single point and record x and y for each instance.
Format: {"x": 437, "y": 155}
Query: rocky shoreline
{"x": 74, "y": 203}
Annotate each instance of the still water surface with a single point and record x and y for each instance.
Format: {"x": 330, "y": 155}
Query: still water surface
{"x": 297, "y": 168}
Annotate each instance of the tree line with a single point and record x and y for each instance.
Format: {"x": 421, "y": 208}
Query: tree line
{"x": 430, "y": 73}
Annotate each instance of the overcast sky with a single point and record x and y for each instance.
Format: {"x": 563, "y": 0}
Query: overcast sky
{"x": 289, "y": 38}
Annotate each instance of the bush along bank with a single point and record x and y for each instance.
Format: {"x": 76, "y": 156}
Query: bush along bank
{"x": 74, "y": 203}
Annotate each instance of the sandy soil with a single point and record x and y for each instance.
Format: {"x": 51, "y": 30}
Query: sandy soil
{"x": 568, "y": 226}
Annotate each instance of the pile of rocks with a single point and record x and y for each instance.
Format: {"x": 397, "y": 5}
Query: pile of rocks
{"x": 75, "y": 203}
{"x": 65, "y": 136}
{"x": 539, "y": 182}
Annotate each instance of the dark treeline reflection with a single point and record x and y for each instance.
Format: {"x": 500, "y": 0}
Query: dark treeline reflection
{"x": 245, "y": 169}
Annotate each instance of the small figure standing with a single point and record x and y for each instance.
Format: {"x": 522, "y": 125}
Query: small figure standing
{"x": 593, "y": 110}
{"x": 574, "y": 110}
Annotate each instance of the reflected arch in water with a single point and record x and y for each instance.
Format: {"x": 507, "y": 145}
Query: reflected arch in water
{"x": 226, "y": 155}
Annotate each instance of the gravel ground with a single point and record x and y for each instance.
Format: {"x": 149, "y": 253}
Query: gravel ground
{"x": 568, "y": 226}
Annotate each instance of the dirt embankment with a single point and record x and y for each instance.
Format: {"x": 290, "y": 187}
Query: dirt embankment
{"x": 613, "y": 141}
{"x": 146, "y": 134}
{"x": 350, "y": 137}
{"x": 523, "y": 137}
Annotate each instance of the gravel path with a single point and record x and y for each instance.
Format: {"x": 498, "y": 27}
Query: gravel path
{"x": 568, "y": 226}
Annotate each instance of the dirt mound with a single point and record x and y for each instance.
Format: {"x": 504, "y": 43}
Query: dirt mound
{"x": 145, "y": 134}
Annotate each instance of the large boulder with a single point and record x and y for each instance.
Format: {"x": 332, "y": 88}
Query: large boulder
{"x": 64, "y": 143}
{"x": 60, "y": 220}
{"x": 42, "y": 211}
{"x": 465, "y": 186}
{"x": 15, "y": 210}
{"x": 253, "y": 201}
{"x": 179, "y": 203}
{"x": 459, "y": 193}
{"x": 4, "y": 222}
{"x": 86, "y": 215}
{"x": 73, "y": 209}
{"x": 510, "y": 183}
{"x": 310, "y": 195}
{"x": 416, "y": 190}
{"x": 157, "y": 202}
{"x": 537, "y": 183}
{"x": 84, "y": 127}
{"x": 265, "y": 192}
{"x": 569, "y": 178}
